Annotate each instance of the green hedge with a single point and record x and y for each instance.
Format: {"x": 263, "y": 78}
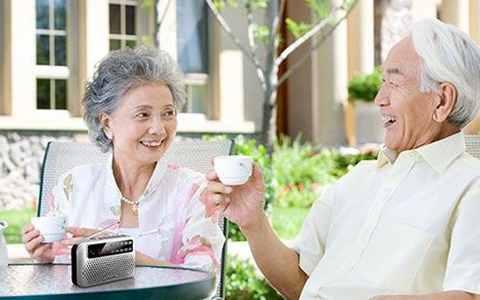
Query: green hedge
{"x": 365, "y": 87}
{"x": 243, "y": 283}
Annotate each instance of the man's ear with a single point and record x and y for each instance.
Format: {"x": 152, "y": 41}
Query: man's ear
{"x": 106, "y": 126}
{"x": 445, "y": 100}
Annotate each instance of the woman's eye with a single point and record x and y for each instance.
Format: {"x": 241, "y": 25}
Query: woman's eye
{"x": 141, "y": 115}
{"x": 169, "y": 114}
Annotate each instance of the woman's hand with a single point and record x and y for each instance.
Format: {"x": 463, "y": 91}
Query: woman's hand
{"x": 77, "y": 234}
{"x": 145, "y": 260}
{"x": 32, "y": 240}
{"x": 241, "y": 204}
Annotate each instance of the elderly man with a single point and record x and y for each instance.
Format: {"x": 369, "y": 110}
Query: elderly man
{"x": 406, "y": 226}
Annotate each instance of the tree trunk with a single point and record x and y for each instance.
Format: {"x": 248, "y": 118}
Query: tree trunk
{"x": 269, "y": 121}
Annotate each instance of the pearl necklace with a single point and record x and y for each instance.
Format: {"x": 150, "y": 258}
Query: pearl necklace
{"x": 133, "y": 204}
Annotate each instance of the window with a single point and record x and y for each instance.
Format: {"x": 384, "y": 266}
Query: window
{"x": 51, "y": 56}
{"x": 122, "y": 19}
{"x": 192, "y": 52}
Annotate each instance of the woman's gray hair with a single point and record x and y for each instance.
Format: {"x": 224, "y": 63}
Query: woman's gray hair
{"x": 118, "y": 73}
{"x": 449, "y": 55}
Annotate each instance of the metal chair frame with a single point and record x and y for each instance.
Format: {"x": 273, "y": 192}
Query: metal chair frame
{"x": 194, "y": 154}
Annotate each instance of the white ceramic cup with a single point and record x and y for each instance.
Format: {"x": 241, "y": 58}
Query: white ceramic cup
{"x": 51, "y": 227}
{"x": 233, "y": 169}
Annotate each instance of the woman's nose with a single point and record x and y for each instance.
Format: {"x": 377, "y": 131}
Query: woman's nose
{"x": 157, "y": 126}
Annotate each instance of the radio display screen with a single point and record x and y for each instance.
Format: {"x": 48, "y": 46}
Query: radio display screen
{"x": 110, "y": 248}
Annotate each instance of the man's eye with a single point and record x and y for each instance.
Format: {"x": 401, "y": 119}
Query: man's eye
{"x": 393, "y": 83}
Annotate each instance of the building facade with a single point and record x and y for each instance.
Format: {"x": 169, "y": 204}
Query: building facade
{"x": 48, "y": 51}
{"x": 316, "y": 104}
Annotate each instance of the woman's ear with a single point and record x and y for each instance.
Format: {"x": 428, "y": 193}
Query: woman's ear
{"x": 445, "y": 100}
{"x": 105, "y": 121}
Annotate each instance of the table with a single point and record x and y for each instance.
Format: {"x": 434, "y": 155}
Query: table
{"x": 53, "y": 281}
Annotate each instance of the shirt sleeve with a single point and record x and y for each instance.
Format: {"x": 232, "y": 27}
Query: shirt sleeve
{"x": 310, "y": 243}
{"x": 463, "y": 265}
{"x": 202, "y": 239}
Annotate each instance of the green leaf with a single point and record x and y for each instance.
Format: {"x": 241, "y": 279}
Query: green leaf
{"x": 257, "y": 4}
{"x": 220, "y": 4}
{"x": 297, "y": 28}
{"x": 262, "y": 34}
{"x": 320, "y": 8}
{"x": 147, "y": 4}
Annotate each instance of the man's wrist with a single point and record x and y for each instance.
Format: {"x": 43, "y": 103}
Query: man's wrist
{"x": 259, "y": 224}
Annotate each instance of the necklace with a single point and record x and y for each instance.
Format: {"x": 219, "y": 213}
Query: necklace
{"x": 133, "y": 204}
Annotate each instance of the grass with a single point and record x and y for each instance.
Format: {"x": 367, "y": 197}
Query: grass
{"x": 287, "y": 221}
{"x": 16, "y": 220}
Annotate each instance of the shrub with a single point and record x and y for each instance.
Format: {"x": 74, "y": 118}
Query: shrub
{"x": 365, "y": 87}
{"x": 298, "y": 171}
{"x": 295, "y": 171}
{"x": 243, "y": 283}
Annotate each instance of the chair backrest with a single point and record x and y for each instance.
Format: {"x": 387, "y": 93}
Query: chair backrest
{"x": 194, "y": 154}
{"x": 472, "y": 145}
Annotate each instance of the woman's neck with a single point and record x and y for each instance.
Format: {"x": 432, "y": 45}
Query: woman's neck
{"x": 131, "y": 176}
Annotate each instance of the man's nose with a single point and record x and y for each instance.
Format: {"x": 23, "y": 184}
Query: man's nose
{"x": 382, "y": 98}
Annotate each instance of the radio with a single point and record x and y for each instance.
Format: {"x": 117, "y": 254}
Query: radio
{"x": 103, "y": 259}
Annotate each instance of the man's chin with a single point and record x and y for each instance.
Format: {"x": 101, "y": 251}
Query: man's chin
{"x": 390, "y": 143}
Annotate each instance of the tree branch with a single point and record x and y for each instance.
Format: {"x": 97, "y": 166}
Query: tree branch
{"x": 247, "y": 52}
{"x": 160, "y": 21}
{"x": 312, "y": 32}
{"x": 250, "y": 28}
{"x": 276, "y": 24}
{"x": 312, "y": 47}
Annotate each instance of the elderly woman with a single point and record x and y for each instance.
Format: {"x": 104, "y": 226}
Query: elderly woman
{"x": 130, "y": 108}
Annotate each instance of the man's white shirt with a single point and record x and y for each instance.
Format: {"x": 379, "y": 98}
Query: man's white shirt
{"x": 402, "y": 224}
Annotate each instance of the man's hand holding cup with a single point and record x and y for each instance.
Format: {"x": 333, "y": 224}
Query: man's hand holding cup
{"x": 236, "y": 187}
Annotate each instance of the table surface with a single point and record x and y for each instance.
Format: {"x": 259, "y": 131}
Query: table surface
{"x": 150, "y": 282}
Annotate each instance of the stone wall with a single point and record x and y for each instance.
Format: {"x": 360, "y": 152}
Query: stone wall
{"x": 21, "y": 156}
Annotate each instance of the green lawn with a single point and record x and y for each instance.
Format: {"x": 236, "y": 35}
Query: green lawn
{"x": 16, "y": 220}
{"x": 287, "y": 222}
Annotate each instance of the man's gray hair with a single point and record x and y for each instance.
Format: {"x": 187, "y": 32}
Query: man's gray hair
{"x": 449, "y": 55}
{"x": 118, "y": 73}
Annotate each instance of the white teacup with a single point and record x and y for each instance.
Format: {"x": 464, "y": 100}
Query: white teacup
{"x": 51, "y": 227}
{"x": 233, "y": 169}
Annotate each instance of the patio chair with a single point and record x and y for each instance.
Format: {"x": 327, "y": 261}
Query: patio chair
{"x": 195, "y": 154}
{"x": 472, "y": 145}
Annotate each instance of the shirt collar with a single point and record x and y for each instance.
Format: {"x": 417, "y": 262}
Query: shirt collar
{"x": 438, "y": 154}
{"x": 386, "y": 156}
{"x": 157, "y": 176}
{"x": 441, "y": 153}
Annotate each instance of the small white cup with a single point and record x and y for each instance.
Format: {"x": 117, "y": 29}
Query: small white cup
{"x": 51, "y": 227}
{"x": 233, "y": 169}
